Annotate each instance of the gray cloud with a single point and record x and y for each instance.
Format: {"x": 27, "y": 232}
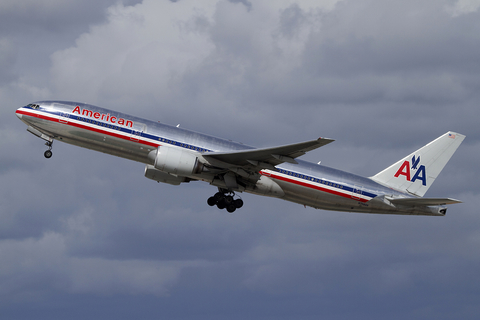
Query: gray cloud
{"x": 86, "y": 235}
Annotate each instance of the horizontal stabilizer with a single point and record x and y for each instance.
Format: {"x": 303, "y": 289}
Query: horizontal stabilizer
{"x": 424, "y": 201}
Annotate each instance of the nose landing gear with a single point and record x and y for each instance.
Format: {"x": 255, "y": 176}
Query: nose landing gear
{"x": 48, "y": 153}
{"x": 224, "y": 200}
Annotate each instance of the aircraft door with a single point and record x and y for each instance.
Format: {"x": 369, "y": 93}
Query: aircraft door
{"x": 64, "y": 117}
{"x": 135, "y": 135}
{"x": 137, "y": 131}
{"x": 356, "y": 192}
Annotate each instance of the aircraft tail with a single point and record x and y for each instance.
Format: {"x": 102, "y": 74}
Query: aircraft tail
{"x": 416, "y": 172}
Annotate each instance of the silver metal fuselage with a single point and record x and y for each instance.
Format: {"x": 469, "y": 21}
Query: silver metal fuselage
{"x": 134, "y": 138}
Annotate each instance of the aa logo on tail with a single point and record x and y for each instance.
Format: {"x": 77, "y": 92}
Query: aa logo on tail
{"x": 419, "y": 173}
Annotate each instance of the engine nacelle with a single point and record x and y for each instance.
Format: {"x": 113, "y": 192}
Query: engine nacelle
{"x": 160, "y": 176}
{"x": 267, "y": 187}
{"x": 176, "y": 161}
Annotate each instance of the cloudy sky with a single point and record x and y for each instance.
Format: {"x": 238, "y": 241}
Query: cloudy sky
{"x": 84, "y": 235}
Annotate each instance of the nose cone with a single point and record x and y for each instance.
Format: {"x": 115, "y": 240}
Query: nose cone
{"x": 19, "y": 115}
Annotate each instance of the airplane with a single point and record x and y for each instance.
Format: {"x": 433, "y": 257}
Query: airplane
{"x": 174, "y": 155}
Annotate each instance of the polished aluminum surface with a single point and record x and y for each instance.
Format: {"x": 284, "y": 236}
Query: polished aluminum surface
{"x": 134, "y": 138}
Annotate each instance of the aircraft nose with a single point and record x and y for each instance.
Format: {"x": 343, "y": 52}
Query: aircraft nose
{"x": 19, "y": 115}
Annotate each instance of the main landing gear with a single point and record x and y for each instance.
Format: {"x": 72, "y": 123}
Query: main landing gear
{"x": 224, "y": 200}
{"x": 48, "y": 153}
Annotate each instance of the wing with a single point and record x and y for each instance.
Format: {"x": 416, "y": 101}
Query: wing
{"x": 265, "y": 158}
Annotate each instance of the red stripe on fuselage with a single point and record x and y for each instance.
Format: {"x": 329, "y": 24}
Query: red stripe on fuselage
{"x": 308, "y": 185}
{"x": 89, "y": 128}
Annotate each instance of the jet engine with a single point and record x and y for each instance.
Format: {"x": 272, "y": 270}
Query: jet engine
{"x": 176, "y": 161}
{"x": 160, "y": 176}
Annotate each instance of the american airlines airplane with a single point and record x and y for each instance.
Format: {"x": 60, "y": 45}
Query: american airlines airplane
{"x": 174, "y": 155}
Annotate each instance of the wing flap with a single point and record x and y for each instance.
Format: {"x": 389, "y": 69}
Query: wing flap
{"x": 265, "y": 157}
{"x": 424, "y": 201}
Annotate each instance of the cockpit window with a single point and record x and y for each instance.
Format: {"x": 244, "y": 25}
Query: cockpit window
{"x": 33, "y": 106}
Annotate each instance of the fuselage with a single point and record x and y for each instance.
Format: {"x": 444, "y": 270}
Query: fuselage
{"x": 134, "y": 138}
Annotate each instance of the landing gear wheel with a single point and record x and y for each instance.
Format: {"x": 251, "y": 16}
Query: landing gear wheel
{"x": 212, "y": 201}
{"x": 221, "y": 204}
{"x": 48, "y": 153}
{"x": 224, "y": 199}
{"x": 228, "y": 200}
{"x": 238, "y": 203}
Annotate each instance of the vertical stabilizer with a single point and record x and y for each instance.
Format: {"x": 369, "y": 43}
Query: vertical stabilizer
{"x": 416, "y": 172}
